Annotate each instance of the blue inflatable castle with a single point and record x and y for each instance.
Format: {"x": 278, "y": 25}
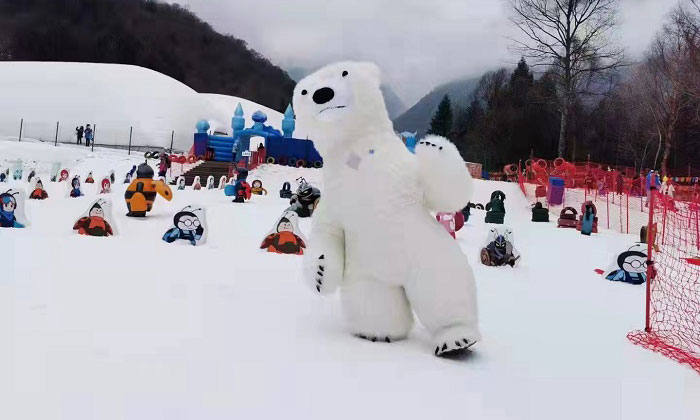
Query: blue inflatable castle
{"x": 280, "y": 146}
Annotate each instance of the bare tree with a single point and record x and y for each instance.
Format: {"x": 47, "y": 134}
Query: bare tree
{"x": 668, "y": 77}
{"x": 573, "y": 36}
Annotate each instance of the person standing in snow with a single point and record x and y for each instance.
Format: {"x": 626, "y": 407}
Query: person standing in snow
{"x": 653, "y": 181}
{"x": 88, "y": 135}
{"x": 79, "y": 134}
{"x": 163, "y": 165}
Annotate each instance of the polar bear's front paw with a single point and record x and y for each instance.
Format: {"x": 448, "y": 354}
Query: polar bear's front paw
{"x": 324, "y": 273}
{"x": 320, "y": 272}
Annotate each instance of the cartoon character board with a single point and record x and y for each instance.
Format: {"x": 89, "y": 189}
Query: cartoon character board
{"x": 189, "y": 224}
{"x": 97, "y": 220}
{"x": 12, "y": 210}
{"x": 285, "y": 237}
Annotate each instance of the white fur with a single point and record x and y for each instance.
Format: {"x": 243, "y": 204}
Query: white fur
{"x": 380, "y": 245}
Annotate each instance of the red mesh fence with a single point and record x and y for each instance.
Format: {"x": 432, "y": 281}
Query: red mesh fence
{"x": 623, "y": 204}
{"x": 673, "y": 294}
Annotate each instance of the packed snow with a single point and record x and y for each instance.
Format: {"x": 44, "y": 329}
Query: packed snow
{"x": 115, "y": 98}
{"x": 130, "y": 327}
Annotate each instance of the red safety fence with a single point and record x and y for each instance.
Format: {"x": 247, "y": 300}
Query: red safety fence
{"x": 672, "y": 325}
{"x": 618, "y": 193}
{"x": 623, "y": 204}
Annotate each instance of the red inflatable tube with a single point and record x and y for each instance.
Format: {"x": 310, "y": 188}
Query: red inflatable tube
{"x": 301, "y": 163}
{"x": 191, "y": 159}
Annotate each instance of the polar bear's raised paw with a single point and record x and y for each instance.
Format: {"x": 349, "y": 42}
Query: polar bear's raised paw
{"x": 448, "y": 185}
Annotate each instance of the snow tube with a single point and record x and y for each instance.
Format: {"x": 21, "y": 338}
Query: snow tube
{"x": 200, "y": 157}
{"x": 191, "y": 159}
{"x": 292, "y": 161}
{"x": 301, "y": 163}
{"x": 271, "y": 160}
{"x": 174, "y": 158}
{"x": 282, "y": 161}
{"x": 155, "y": 155}
{"x": 229, "y": 190}
{"x": 147, "y": 155}
{"x": 318, "y": 164}
{"x": 558, "y": 162}
{"x": 181, "y": 159}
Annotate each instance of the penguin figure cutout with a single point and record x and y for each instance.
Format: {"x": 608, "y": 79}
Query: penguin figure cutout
{"x": 32, "y": 173}
{"x": 222, "y": 182}
{"x": 196, "y": 184}
{"x": 631, "y": 266}
{"x": 210, "y": 182}
{"x": 106, "y": 186}
{"x": 189, "y": 224}
{"x": 74, "y": 189}
{"x": 3, "y": 177}
{"x": 97, "y": 220}
{"x": 181, "y": 182}
{"x": 285, "y": 237}
{"x": 112, "y": 178}
{"x": 587, "y": 221}
{"x": 89, "y": 179}
{"x": 257, "y": 188}
{"x": 39, "y": 193}
{"x": 12, "y": 210}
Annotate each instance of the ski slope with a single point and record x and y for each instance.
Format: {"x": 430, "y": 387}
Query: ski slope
{"x": 130, "y": 327}
{"x": 115, "y": 97}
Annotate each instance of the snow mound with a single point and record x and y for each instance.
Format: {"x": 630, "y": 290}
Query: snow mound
{"x": 114, "y": 97}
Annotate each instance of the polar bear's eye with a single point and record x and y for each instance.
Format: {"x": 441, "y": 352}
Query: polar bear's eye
{"x": 304, "y": 92}
{"x": 345, "y": 73}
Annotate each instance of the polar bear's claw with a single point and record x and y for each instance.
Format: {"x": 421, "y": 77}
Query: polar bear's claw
{"x": 373, "y": 338}
{"x": 459, "y": 345}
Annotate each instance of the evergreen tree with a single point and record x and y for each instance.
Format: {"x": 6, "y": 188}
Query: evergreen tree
{"x": 441, "y": 124}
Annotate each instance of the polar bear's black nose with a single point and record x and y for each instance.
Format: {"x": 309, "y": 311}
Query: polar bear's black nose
{"x": 323, "y": 95}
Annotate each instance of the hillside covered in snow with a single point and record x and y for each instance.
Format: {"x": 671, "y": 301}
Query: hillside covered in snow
{"x": 113, "y": 97}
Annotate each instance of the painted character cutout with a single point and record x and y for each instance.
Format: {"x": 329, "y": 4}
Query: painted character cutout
{"x": 8, "y": 206}
{"x": 181, "y": 183}
{"x": 285, "y": 239}
{"x": 95, "y": 223}
{"x": 39, "y": 193}
{"x": 187, "y": 227}
{"x": 75, "y": 187}
{"x": 196, "y": 184}
{"x": 90, "y": 179}
{"x": 106, "y": 186}
{"x": 64, "y": 175}
{"x": 257, "y": 188}
{"x": 632, "y": 267}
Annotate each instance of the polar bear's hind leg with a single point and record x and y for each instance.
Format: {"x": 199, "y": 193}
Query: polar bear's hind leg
{"x": 376, "y": 311}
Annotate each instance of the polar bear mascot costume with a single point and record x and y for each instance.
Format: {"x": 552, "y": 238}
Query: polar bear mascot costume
{"x": 373, "y": 236}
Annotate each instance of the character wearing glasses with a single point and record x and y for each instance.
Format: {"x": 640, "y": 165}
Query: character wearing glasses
{"x": 632, "y": 267}
{"x": 187, "y": 226}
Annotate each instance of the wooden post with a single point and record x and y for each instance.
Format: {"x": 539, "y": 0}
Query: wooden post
{"x": 172, "y": 139}
{"x": 55, "y": 143}
{"x": 131, "y": 131}
{"x": 21, "y": 125}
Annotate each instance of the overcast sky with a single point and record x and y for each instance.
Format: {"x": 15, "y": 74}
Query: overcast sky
{"x": 417, "y": 43}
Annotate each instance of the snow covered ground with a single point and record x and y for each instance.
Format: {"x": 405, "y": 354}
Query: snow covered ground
{"x": 115, "y": 97}
{"x": 130, "y": 327}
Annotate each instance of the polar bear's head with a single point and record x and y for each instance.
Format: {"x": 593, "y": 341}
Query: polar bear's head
{"x": 339, "y": 102}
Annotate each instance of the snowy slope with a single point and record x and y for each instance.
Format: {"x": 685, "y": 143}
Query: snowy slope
{"x": 113, "y": 96}
{"x": 131, "y": 327}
